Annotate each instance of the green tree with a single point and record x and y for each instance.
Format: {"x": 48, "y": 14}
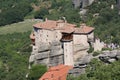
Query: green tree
{"x": 37, "y": 71}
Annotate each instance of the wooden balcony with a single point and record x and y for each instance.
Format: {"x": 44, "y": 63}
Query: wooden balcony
{"x": 67, "y": 37}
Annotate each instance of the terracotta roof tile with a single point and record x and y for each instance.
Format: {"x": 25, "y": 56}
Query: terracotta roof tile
{"x": 50, "y": 24}
{"x": 56, "y": 73}
{"x": 66, "y": 28}
{"x": 84, "y": 29}
{"x": 69, "y": 28}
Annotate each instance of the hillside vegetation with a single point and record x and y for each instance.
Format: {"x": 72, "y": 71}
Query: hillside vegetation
{"x": 14, "y": 55}
{"x": 11, "y": 11}
{"x": 15, "y": 50}
{"x": 15, "y": 47}
{"x": 23, "y": 26}
{"x": 107, "y": 23}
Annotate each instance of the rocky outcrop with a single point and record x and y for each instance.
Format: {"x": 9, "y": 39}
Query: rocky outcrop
{"x": 110, "y": 56}
{"x": 81, "y": 64}
{"x": 80, "y": 51}
{"x": 82, "y": 3}
{"x": 48, "y": 54}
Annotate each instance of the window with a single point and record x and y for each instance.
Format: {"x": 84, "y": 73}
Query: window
{"x": 36, "y": 29}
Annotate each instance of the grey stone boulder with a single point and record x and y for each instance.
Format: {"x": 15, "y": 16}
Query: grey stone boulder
{"x": 85, "y": 60}
{"x": 111, "y": 60}
{"x": 112, "y": 54}
{"x": 118, "y": 55}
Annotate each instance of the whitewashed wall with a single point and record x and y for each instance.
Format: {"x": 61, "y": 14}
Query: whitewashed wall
{"x": 80, "y": 39}
{"x": 68, "y": 53}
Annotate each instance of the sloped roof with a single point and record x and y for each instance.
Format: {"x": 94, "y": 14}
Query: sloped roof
{"x": 56, "y": 73}
{"x": 66, "y": 28}
{"x": 69, "y": 28}
{"x": 51, "y": 24}
{"x": 84, "y": 29}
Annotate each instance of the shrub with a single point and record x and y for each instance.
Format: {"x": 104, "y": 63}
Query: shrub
{"x": 96, "y": 53}
{"x": 37, "y": 71}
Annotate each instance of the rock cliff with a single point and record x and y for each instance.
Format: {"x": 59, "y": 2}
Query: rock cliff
{"x": 82, "y": 3}
{"x": 48, "y": 54}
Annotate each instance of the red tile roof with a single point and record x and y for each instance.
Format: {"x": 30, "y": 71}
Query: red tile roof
{"x": 56, "y": 73}
{"x": 50, "y": 24}
{"x": 69, "y": 28}
{"x": 84, "y": 29}
{"x": 66, "y": 28}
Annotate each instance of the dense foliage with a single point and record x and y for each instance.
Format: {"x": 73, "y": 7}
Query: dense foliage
{"x": 37, "y": 71}
{"x": 14, "y": 54}
{"x": 58, "y": 9}
{"x": 13, "y": 11}
{"x": 107, "y": 21}
{"x": 15, "y": 50}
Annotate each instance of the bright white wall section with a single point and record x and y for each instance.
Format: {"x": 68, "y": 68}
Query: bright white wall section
{"x": 80, "y": 39}
{"x": 68, "y": 53}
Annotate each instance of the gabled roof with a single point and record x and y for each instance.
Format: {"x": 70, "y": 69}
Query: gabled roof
{"x": 83, "y": 29}
{"x": 56, "y": 73}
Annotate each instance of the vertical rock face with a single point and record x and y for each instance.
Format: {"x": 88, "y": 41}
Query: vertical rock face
{"x": 48, "y": 54}
{"x": 82, "y": 3}
{"x": 118, "y": 5}
{"x": 76, "y": 3}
